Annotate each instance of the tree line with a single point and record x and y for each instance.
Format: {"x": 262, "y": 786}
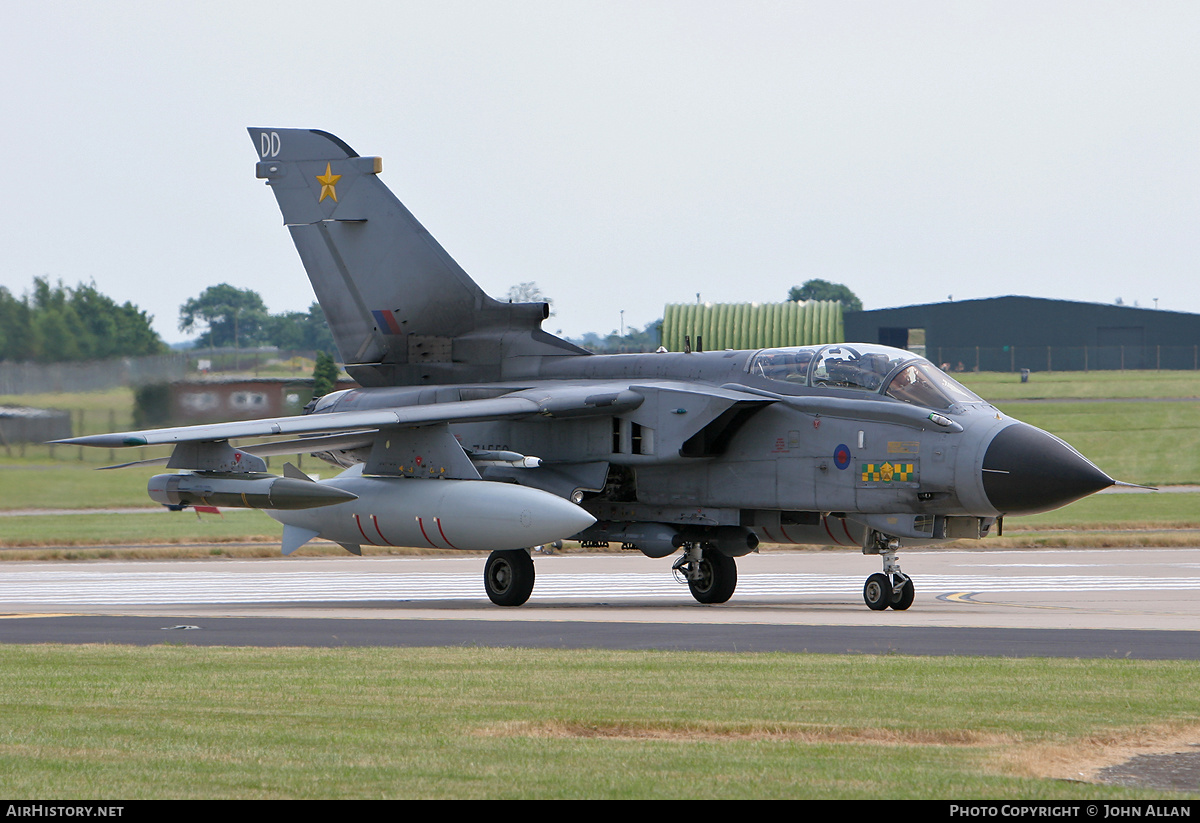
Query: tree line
{"x": 236, "y": 317}
{"x": 226, "y": 316}
{"x": 57, "y": 323}
{"x": 53, "y": 323}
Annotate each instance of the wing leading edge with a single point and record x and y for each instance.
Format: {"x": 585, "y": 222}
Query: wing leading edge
{"x": 454, "y": 412}
{"x": 331, "y": 428}
{"x": 567, "y": 401}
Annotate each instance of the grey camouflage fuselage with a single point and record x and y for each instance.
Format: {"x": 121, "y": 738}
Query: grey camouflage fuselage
{"x": 466, "y": 401}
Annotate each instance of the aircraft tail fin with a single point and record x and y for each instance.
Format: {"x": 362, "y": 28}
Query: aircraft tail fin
{"x": 401, "y": 310}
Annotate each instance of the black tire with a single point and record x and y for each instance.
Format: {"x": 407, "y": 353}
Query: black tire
{"x": 903, "y": 600}
{"x": 508, "y": 577}
{"x": 877, "y": 593}
{"x": 718, "y": 578}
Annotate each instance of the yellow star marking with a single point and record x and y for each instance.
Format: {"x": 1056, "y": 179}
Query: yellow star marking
{"x": 328, "y": 180}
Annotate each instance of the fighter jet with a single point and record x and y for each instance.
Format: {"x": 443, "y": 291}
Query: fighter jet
{"x": 474, "y": 429}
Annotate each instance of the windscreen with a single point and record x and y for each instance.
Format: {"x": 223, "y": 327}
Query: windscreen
{"x": 785, "y": 365}
{"x": 864, "y": 367}
{"x": 925, "y": 385}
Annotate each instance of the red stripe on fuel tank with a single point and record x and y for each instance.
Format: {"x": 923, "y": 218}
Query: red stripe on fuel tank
{"x": 363, "y": 533}
{"x": 438, "y": 520}
{"x": 421, "y": 526}
{"x": 375, "y": 523}
{"x": 825, "y": 523}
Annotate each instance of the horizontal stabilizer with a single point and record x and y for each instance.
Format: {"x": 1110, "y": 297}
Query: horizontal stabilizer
{"x": 303, "y": 445}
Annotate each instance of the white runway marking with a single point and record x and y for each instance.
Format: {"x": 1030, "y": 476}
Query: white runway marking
{"x": 102, "y": 585}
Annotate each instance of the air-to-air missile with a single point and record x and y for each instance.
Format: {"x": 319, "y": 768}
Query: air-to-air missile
{"x": 242, "y": 491}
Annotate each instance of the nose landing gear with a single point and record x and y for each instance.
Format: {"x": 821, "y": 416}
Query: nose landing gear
{"x": 881, "y": 592}
{"x": 893, "y": 588}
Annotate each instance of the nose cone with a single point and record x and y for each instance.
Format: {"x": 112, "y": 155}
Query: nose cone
{"x": 1026, "y": 470}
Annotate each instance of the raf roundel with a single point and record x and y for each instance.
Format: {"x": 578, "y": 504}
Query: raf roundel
{"x": 841, "y": 456}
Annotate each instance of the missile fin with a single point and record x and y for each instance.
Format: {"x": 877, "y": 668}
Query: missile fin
{"x": 294, "y": 537}
{"x": 296, "y": 474}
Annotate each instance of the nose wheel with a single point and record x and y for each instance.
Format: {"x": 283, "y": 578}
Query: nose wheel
{"x": 892, "y": 588}
{"x": 881, "y": 593}
{"x": 903, "y": 599}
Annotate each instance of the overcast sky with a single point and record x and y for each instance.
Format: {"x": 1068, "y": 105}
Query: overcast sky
{"x": 621, "y": 155}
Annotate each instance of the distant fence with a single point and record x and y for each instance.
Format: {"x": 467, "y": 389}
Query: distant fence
{"x": 98, "y": 375}
{"x": 1064, "y": 358}
{"x": 25, "y": 425}
{"x": 229, "y": 359}
{"x": 38, "y": 378}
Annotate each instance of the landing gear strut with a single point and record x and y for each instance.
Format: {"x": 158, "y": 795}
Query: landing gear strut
{"x": 711, "y": 575}
{"x": 893, "y": 588}
{"x": 508, "y": 577}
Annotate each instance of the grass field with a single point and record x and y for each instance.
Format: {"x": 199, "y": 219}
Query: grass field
{"x": 193, "y": 722}
{"x": 72, "y": 485}
{"x": 1119, "y": 511}
{"x": 1091, "y": 385}
{"x": 156, "y": 528}
{"x": 1150, "y": 443}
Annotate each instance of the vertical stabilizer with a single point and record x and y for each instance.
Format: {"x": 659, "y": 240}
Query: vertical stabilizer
{"x": 401, "y": 310}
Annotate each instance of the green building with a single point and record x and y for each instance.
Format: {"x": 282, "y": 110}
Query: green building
{"x": 718, "y": 326}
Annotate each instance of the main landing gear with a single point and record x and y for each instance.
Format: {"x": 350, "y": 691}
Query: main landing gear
{"x": 893, "y": 588}
{"x": 711, "y": 576}
{"x": 508, "y": 577}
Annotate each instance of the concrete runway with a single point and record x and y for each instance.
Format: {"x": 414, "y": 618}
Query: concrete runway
{"x": 1074, "y": 603}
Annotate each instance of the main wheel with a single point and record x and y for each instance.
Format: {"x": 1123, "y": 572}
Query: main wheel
{"x": 718, "y": 578}
{"x": 878, "y": 592}
{"x": 903, "y": 600}
{"x": 508, "y": 577}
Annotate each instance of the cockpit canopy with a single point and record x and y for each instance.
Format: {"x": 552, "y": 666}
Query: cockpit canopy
{"x": 867, "y": 368}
